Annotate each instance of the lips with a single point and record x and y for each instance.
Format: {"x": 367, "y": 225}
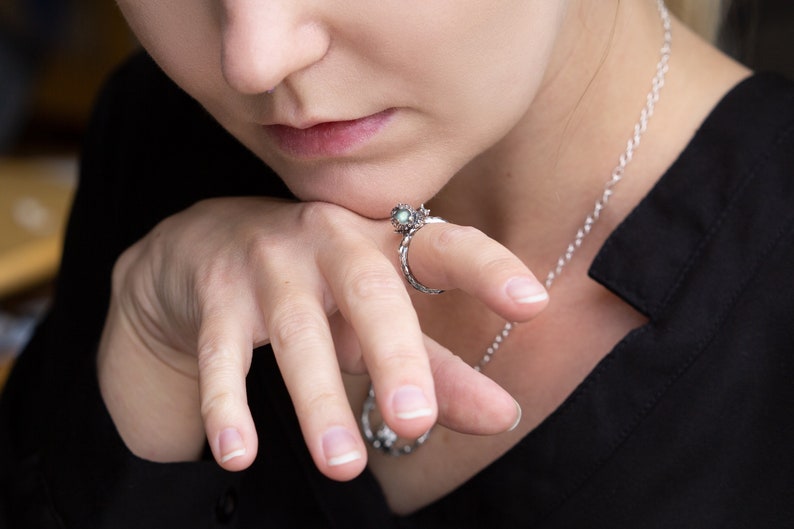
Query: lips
{"x": 329, "y": 139}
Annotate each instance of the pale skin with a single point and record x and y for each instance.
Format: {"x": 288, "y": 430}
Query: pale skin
{"x": 508, "y": 119}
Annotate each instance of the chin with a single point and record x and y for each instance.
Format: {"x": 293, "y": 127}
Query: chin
{"x": 370, "y": 192}
{"x": 369, "y": 183}
{"x": 375, "y": 204}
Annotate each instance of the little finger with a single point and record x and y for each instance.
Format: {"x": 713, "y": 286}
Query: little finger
{"x": 224, "y": 358}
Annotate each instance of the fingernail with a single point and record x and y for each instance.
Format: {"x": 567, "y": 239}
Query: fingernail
{"x": 409, "y": 402}
{"x": 525, "y": 290}
{"x": 230, "y": 444}
{"x": 340, "y": 447}
{"x": 518, "y": 418}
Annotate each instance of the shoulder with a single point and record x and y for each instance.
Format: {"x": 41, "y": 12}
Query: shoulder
{"x": 748, "y": 136}
{"x": 757, "y": 108}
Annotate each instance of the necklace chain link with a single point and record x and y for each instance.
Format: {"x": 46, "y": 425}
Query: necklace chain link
{"x": 617, "y": 175}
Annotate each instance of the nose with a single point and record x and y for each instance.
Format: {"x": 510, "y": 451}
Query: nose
{"x": 263, "y": 42}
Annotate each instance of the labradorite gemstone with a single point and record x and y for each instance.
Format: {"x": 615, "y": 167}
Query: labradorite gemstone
{"x": 402, "y": 216}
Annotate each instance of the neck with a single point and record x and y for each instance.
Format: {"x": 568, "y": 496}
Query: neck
{"x": 536, "y": 186}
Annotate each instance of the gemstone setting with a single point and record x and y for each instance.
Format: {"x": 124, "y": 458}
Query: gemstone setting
{"x": 406, "y": 219}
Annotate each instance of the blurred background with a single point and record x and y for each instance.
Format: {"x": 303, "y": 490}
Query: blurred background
{"x": 54, "y": 55}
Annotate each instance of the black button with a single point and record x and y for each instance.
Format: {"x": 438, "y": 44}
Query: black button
{"x": 226, "y": 506}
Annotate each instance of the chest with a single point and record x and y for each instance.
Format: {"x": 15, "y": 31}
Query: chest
{"x": 540, "y": 365}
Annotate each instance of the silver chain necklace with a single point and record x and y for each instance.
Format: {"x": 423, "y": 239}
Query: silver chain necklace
{"x": 384, "y": 437}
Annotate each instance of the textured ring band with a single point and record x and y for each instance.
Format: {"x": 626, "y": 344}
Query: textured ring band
{"x": 382, "y": 437}
{"x": 407, "y": 221}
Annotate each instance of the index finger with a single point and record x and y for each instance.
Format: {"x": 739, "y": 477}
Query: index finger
{"x": 446, "y": 256}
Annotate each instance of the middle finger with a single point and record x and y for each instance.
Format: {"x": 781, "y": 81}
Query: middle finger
{"x": 371, "y": 296}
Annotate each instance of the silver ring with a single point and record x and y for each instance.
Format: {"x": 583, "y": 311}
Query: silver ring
{"x": 407, "y": 221}
{"x": 382, "y": 437}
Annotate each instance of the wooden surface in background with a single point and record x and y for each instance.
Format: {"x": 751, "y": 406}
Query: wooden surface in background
{"x": 35, "y": 196}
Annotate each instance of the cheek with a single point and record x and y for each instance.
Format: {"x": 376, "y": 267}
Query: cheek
{"x": 480, "y": 71}
{"x": 182, "y": 36}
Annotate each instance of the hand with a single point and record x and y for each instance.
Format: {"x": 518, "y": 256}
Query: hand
{"x": 321, "y": 284}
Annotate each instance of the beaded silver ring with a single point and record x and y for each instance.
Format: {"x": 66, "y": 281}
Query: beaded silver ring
{"x": 381, "y": 436}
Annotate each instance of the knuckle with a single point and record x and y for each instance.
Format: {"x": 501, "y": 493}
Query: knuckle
{"x": 217, "y": 404}
{"x": 215, "y": 273}
{"x": 291, "y": 325}
{"x": 322, "y": 401}
{"x": 222, "y": 362}
{"x": 219, "y": 372}
{"x": 312, "y": 212}
{"x": 394, "y": 360}
{"x": 256, "y": 245}
{"x": 335, "y": 229}
{"x": 214, "y": 358}
{"x": 322, "y": 214}
{"x": 225, "y": 277}
{"x": 210, "y": 286}
{"x": 501, "y": 265}
{"x": 372, "y": 283}
{"x": 453, "y": 236}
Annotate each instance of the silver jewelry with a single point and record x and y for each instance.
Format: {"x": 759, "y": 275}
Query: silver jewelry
{"x": 407, "y": 221}
{"x": 384, "y": 438}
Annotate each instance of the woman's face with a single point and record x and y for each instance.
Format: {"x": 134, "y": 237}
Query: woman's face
{"x": 360, "y": 103}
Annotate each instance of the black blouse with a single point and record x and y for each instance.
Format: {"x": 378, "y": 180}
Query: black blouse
{"x": 688, "y": 422}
